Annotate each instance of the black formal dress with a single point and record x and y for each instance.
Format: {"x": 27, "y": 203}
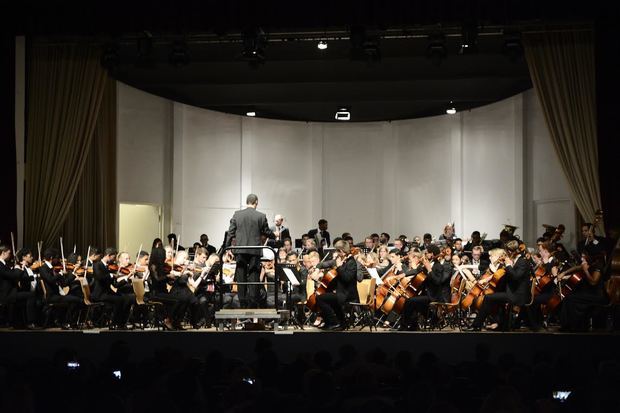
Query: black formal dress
{"x": 579, "y": 305}
{"x": 534, "y": 311}
{"x": 247, "y": 226}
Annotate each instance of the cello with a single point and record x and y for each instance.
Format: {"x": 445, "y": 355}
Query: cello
{"x": 326, "y": 284}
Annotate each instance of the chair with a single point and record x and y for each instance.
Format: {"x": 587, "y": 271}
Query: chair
{"x": 363, "y": 310}
{"x": 142, "y": 305}
{"x": 48, "y": 307}
{"x": 88, "y": 303}
{"x": 441, "y": 315}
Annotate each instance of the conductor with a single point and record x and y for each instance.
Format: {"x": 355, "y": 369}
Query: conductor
{"x": 247, "y": 226}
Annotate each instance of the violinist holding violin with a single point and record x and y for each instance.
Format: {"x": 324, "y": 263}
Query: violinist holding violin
{"x": 331, "y": 304}
{"x": 103, "y": 270}
{"x": 53, "y": 277}
{"x": 517, "y": 276}
{"x": 15, "y": 284}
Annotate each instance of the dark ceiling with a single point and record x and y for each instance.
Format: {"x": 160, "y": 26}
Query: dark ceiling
{"x": 376, "y": 63}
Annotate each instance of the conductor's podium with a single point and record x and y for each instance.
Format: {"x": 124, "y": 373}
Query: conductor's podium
{"x": 232, "y": 315}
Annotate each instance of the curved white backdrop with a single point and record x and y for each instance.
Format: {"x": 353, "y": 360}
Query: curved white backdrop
{"x": 481, "y": 169}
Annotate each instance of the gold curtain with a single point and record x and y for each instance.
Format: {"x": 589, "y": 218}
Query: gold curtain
{"x": 92, "y": 217}
{"x": 65, "y": 88}
{"x": 561, "y": 66}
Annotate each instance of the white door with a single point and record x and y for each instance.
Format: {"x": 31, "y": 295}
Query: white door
{"x": 138, "y": 224}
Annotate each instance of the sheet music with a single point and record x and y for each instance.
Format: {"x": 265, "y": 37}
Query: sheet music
{"x": 291, "y": 277}
{"x": 374, "y": 274}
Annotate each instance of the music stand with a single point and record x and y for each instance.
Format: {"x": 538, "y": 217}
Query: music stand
{"x": 292, "y": 276}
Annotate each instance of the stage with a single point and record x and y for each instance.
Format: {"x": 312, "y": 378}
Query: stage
{"x": 450, "y": 346}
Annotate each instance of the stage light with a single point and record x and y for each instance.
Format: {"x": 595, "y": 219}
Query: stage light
{"x": 451, "y": 110}
{"x": 254, "y": 43}
{"x": 144, "y": 46}
{"x": 179, "y": 55}
{"x": 322, "y": 45}
{"x": 513, "y": 49}
{"x": 436, "y": 49}
{"x": 343, "y": 114}
{"x": 109, "y": 57}
{"x": 469, "y": 38}
{"x": 251, "y": 113}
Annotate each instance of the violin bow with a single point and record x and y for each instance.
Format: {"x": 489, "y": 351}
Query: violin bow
{"x": 135, "y": 265}
{"x": 13, "y": 247}
{"x": 62, "y": 254}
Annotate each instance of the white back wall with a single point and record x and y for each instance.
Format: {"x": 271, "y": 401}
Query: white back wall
{"x": 481, "y": 169}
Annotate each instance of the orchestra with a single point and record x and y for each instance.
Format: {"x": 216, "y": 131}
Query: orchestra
{"x": 490, "y": 284}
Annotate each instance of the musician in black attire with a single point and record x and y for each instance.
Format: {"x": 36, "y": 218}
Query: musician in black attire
{"x": 551, "y": 267}
{"x": 331, "y": 304}
{"x": 54, "y": 282}
{"x": 180, "y": 290}
{"x": 103, "y": 290}
{"x": 437, "y": 288}
{"x": 10, "y": 280}
{"x": 159, "y": 288}
{"x": 577, "y": 306}
{"x": 517, "y": 276}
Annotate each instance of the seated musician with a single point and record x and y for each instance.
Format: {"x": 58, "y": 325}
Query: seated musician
{"x": 298, "y": 294}
{"x": 203, "y": 286}
{"x": 122, "y": 282}
{"x": 479, "y": 261}
{"x": 437, "y": 288}
{"x": 547, "y": 265}
{"x": 180, "y": 290}
{"x": 331, "y": 304}
{"x": 577, "y": 307}
{"x": 517, "y": 292}
{"x": 383, "y": 260}
{"x": 159, "y": 287}
{"x": 18, "y": 285}
{"x": 54, "y": 282}
{"x": 104, "y": 280}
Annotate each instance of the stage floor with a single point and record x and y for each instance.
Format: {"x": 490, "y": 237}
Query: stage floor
{"x": 449, "y": 345}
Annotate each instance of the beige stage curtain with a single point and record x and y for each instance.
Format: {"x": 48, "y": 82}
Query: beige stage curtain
{"x": 65, "y": 88}
{"x": 92, "y": 217}
{"x": 561, "y": 66}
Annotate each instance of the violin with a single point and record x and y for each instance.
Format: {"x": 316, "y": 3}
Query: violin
{"x": 112, "y": 267}
{"x": 81, "y": 271}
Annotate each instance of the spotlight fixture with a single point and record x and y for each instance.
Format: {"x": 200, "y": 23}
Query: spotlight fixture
{"x": 109, "y": 57}
{"x": 322, "y": 45}
{"x": 365, "y": 44}
{"x": 250, "y": 113}
{"x": 469, "y": 38}
{"x": 513, "y": 49}
{"x": 451, "y": 110}
{"x": 436, "y": 49}
{"x": 343, "y": 114}
{"x": 144, "y": 46}
{"x": 254, "y": 42}
{"x": 179, "y": 55}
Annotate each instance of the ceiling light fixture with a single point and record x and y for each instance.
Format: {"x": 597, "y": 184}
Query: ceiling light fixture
{"x": 251, "y": 113}
{"x": 322, "y": 45}
{"x": 343, "y": 114}
{"x": 451, "y": 110}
